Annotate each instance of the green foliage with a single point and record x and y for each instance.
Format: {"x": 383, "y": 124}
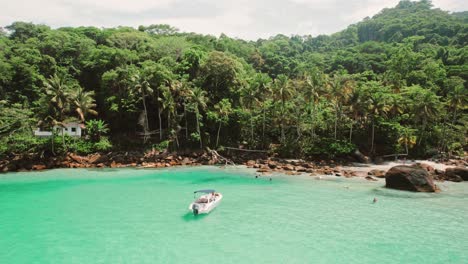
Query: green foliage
{"x": 103, "y": 144}
{"x": 96, "y": 129}
{"x": 20, "y": 143}
{"x": 395, "y": 82}
{"x": 162, "y": 146}
{"x": 328, "y": 147}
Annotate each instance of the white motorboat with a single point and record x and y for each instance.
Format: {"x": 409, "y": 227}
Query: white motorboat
{"x": 205, "y": 202}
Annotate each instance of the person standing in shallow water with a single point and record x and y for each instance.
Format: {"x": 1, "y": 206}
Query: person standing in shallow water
{"x": 375, "y": 200}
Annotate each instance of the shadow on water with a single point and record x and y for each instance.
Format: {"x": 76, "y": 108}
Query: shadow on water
{"x": 382, "y": 191}
{"x": 189, "y": 217}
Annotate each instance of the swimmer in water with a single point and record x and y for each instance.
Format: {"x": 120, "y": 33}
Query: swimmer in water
{"x": 375, "y": 200}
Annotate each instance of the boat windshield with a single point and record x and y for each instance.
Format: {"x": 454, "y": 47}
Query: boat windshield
{"x": 202, "y": 200}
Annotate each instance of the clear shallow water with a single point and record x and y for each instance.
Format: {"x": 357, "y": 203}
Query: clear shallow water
{"x": 140, "y": 216}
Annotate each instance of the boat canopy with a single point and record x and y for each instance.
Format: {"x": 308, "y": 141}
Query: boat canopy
{"x": 204, "y": 191}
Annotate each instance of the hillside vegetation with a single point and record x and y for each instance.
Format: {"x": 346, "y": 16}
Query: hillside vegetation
{"x": 393, "y": 83}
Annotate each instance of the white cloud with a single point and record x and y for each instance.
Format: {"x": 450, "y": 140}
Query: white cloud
{"x": 123, "y": 5}
{"x": 248, "y": 19}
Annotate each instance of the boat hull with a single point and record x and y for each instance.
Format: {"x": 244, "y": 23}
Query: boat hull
{"x": 205, "y": 208}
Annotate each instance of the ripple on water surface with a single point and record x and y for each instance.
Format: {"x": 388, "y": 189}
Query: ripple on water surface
{"x": 140, "y": 216}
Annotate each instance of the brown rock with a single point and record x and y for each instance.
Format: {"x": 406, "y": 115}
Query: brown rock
{"x": 457, "y": 171}
{"x": 77, "y": 158}
{"x": 250, "y": 163}
{"x": 272, "y": 164}
{"x": 300, "y": 169}
{"x": 288, "y": 167}
{"x": 186, "y": 161}
{"x": 369, "y": 178}
{"x": 94, "y": 158}
{"x": 292, "y": 173}
{"x": 377, "y": 173}
{"x": 425, "y": 166}
{"x": 409, "y": 178}
{"x": 39, "y": 167}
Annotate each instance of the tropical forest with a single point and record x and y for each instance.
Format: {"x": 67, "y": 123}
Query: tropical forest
{"x": 394, "y": 83}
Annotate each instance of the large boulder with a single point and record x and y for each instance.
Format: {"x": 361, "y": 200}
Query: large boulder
{"x": 360, "y": 157}
{"x": 409, "y": 178}
{"x": 458, "y": 171}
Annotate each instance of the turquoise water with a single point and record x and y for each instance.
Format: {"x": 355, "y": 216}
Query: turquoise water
{"x": 140, "y": 216}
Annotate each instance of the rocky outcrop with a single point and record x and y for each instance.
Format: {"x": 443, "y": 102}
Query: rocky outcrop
{"x": 377, "y": 173}
{"x": 457, "y": 173}
{"x": 409, "y": 178}
{"x": 360, "y": 157}
{"x": 370, "y": 178}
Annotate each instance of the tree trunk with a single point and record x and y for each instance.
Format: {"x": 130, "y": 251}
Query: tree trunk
{"x": 283, "y": 134}
{"x": 159, "y": 114}
{"x": 168, "y": 121}
{"x": 251, "y": 130}
{"x": 198, "y": 128}
{"x": 263, "y": 130}
{"x": 372, "y": 138}
{"x": 186, "y": 122}
{"x": 63, "y": 140}
{"x": 217, "y": 136}
{"x": 406, "y": 145}
{"x": 312, "y": 119}
{"x": 52, "y": 141}
{"x": 336, "y": 122}
{"x": 146, "y": 113}
{"x": 160, "y": 123}
{"x": 351, "y": 133}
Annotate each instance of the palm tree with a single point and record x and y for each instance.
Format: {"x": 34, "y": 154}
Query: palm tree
{"x": 376, "y": 97}
{"x": 355, "y": 110}
{"x": 425, "y": 106}
{"x": 143, "y": 87}
{"x": 339, "y": 89}
{"x": 282, "y": 92}
{"x": 169, "y": 104}
{"x": 185, "y": 97}
{"x": 199, "y": 102}
{"x": 248, "y": 100}
{"x": 83, "y": 102}
{"x": 313, "y": 86}
{"x": 223, "y": 109}
{"x": 457, "y": 99}
{"x": 262, "y": 86}
{"x": 58, "y": 97}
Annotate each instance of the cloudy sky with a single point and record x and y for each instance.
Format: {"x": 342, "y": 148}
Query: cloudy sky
{"x": 247, "y": 19}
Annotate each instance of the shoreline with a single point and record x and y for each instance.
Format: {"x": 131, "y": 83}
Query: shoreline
{"x": 263, "y": 166}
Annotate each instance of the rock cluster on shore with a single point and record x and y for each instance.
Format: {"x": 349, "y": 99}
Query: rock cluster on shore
{"x": 111, "y": 160}
{"x": 298, "y": 167}
{"x": 264, "y": 165}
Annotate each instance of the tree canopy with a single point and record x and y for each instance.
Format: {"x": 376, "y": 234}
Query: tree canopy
{"x": 392, "y": 83}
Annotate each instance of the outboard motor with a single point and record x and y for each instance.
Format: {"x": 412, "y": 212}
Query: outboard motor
{"x": 195, "y": 209}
